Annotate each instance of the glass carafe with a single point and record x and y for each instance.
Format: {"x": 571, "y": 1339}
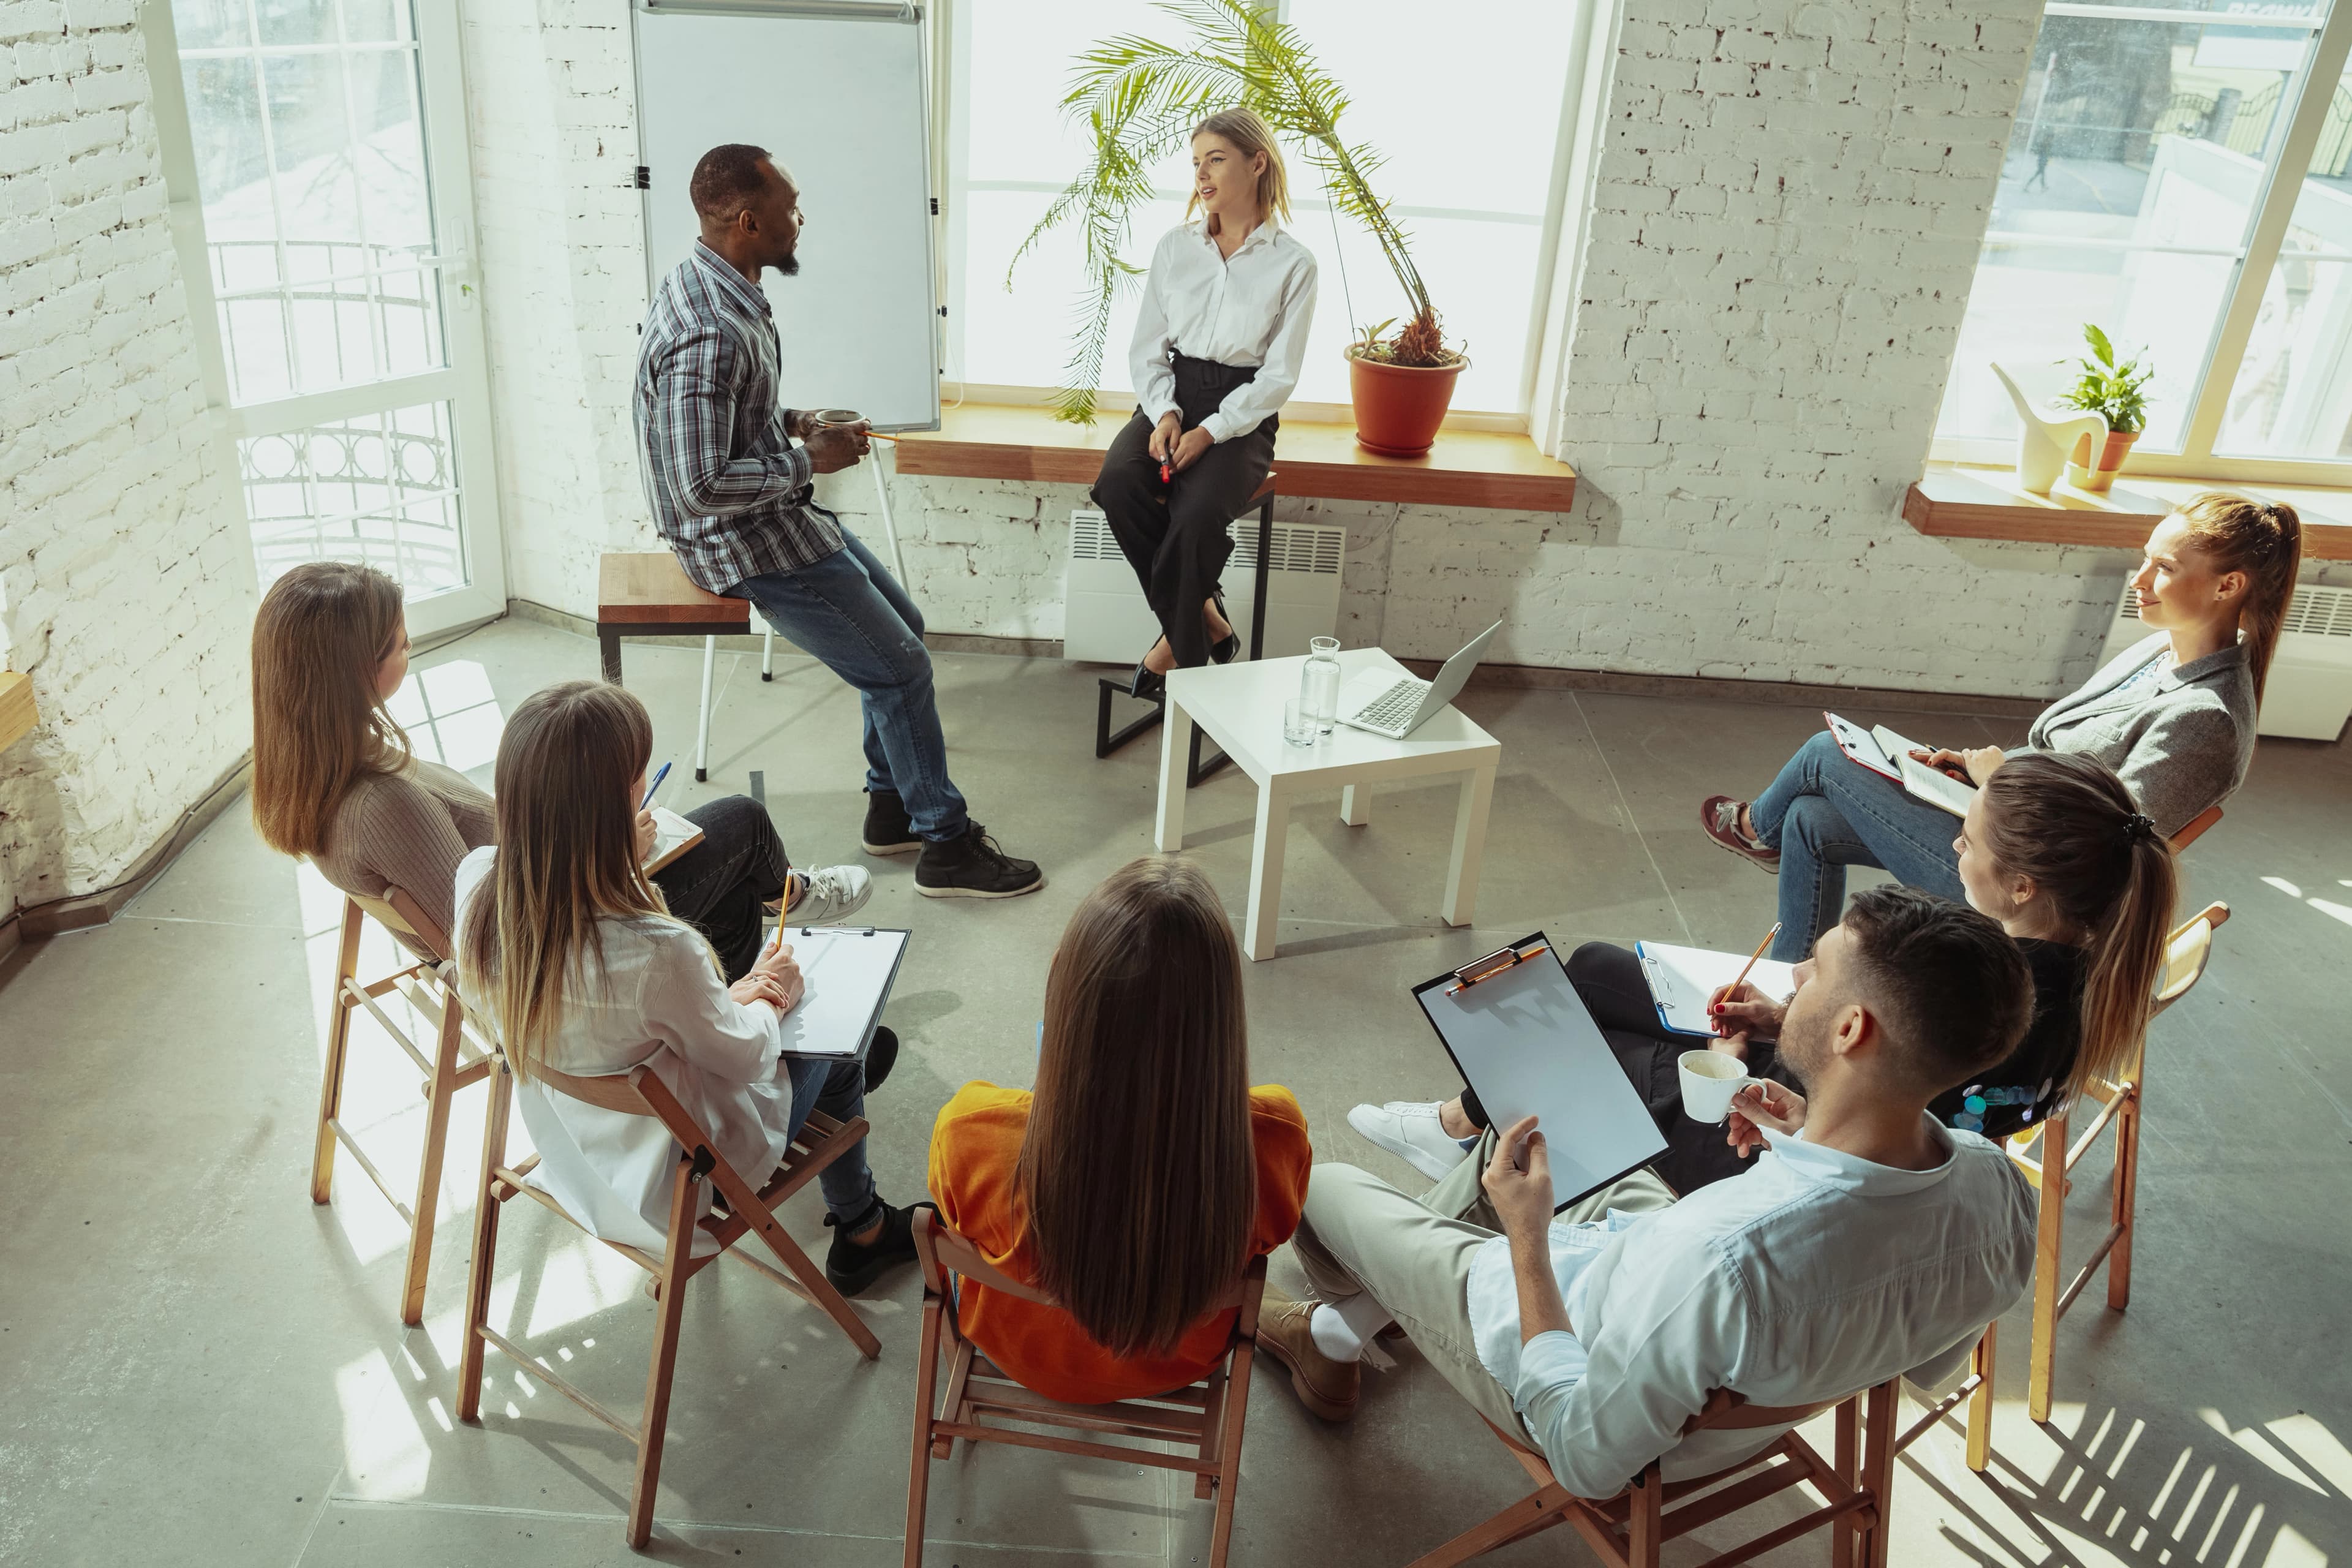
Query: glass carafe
{"x": 1319, "y": 683}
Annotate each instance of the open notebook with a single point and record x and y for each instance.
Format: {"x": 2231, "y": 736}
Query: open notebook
{"x": 1881, "y": 750}
{"x": 1682, "y": 979}
{"x": 673, "y": 836}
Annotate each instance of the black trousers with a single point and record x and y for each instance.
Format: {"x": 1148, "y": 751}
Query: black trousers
{"x": 1174, "y": 535}
{"x": 1610, "y": 981}
{"x": 718, "y": 886}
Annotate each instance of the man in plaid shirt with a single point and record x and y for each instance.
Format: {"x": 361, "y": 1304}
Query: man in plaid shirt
{"x": 732, "y": 494}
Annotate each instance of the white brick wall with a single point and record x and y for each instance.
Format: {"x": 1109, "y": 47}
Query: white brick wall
{"x": 125, "y": 587}
{"x": 1788, "y": 207}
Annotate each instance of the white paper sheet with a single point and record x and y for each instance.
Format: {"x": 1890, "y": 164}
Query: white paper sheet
{"x": 1526, "y": 1043}
{"x": 1682, "y": 979}
{"x": 847, "y": 971}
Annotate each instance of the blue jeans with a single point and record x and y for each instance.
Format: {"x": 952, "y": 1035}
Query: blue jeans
{"x": 837, "y": 1088}
{"x": 1826, "y": 812}
{"x": 850, "y": 614}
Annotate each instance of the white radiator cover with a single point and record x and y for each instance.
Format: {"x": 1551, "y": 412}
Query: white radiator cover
{"x": 1106, "y": 621}
{"x": 2310, "y": 687}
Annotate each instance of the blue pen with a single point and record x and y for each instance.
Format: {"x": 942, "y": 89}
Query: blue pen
{"x": 655, "y": 788}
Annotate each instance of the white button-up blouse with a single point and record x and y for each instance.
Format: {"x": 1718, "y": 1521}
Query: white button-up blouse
{"x": 1252, "y": 309}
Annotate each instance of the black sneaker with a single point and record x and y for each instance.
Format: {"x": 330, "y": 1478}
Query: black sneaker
{"x": 852, "y": 1268}
{"x": 973, "y": 866}
{"x": 888, "y": 829}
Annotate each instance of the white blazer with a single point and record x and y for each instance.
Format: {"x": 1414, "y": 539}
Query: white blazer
{"x": 656, "y": 998}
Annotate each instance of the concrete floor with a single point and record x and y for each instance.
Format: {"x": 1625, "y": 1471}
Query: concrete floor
{"x": 200, "y": 1367}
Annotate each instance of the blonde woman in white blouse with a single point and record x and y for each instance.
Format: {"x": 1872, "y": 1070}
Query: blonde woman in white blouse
{"x": 1218, "y": 344}
{"x": 562, "y": 940}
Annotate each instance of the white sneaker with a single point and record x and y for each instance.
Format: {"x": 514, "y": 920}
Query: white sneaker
{"x": 829, "y": 893}
{"x": 1410, "y": 1130}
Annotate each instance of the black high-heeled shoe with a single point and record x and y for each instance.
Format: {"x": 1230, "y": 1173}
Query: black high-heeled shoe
{"x": 1147, "y": 685}
{"x": 1229, "y": 647}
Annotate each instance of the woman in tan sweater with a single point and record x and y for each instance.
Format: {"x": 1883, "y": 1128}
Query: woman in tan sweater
{"x": 334, "y": 779}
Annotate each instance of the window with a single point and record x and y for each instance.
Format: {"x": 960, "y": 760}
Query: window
{"x": 323, "y": 144}
{"x": 1481, "y": 199}
{"x": 2180, "y": 175}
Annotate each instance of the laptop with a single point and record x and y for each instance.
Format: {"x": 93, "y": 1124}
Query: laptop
{"x": 1396, "y": 706}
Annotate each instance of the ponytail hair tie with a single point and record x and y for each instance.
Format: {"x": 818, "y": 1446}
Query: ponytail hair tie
{"x": 2137, "y": 827}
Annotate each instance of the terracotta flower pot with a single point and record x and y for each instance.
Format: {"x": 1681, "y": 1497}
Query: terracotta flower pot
{"x": 1399, "y": 407}
{"x": 2097, "y": 477}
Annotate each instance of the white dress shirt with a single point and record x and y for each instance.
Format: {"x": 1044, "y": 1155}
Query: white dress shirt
{"x": 1809, "y": 1278}
{"x": 657, "y": 998}
{"x": 1251, "y": 308}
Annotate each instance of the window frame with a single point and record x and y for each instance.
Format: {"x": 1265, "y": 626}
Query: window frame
{"x": 2273, "y": 209}
{"x": 1559, "y": 239}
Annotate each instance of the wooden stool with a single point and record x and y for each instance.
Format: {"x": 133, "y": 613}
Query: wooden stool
{"x": 1108, "y": 686}
{"x": 647, "y": 595}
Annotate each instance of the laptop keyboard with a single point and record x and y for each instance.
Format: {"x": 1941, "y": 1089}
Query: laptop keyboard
{"x": 1392, "y": 707}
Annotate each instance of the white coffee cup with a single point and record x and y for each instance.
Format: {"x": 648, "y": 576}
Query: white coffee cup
{"x": 1709, "y": 1080}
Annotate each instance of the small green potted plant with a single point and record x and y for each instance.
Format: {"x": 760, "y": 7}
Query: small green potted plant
{"x": 2118, "y": 390}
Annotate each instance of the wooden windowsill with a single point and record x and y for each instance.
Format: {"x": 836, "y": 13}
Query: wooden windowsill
{"x": 1955, "y": 501}
{"x": 16, "y": 715}
{"x": 1466, "y": 467}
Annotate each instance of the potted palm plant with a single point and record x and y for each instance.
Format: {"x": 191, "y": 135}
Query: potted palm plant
{"x": 1140, "y": 98}
{"x": 2116, "y": 390}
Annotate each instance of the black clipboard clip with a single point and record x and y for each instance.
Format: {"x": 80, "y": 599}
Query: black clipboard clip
{"x": 1495, "y": 963}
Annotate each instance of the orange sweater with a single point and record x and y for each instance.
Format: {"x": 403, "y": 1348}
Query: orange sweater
{"x": 975, "y": 1146}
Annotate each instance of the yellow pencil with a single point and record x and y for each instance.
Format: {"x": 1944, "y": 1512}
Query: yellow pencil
{"x": 1752, "y": 957}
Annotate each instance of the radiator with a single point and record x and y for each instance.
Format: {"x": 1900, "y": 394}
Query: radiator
{"x": 1106, "y": 621}
{"x": 2310, "y": 687}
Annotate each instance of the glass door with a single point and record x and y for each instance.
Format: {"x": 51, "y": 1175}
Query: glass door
{"x": 328, "y": 238}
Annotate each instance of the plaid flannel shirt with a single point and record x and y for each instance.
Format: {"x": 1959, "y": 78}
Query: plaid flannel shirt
{"x": 729, "y": 489}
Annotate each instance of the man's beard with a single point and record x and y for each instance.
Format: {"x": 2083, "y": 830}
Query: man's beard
{"x": 789, "y": 266}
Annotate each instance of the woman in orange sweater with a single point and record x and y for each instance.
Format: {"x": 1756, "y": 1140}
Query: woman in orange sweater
{"x": 1140, "y": 1179}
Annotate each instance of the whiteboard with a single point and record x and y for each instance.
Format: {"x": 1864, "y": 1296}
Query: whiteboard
{"x": 839, "y": 101}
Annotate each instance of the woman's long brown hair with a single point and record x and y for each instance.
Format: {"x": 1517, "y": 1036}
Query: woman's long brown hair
{"x": 318, "y": 722}
{"x": 2265, "y": 540}
{"x": 568, "y": 768}
{"x": 2066, "y": 820}
{"x": 1138, "y": 1170}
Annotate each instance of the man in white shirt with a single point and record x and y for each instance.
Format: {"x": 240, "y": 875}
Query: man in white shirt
{"x": 1867, "y": 1240}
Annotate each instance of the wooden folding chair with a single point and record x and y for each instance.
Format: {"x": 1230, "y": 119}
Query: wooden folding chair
{"x": 1627, "y": 1531}
{"x": 640, "y": 1092}
{"x": 1204, "y": 1417}
{"x": 450, "y": 1068}
{"x": 2186, "y": 955}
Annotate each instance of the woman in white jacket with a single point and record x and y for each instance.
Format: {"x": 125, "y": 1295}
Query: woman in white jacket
{"x": 565, "y": 944}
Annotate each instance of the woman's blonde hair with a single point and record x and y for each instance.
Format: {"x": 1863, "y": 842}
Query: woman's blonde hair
{"x": 567, "y": 773}
{"x": 1139, "y": 1170}
{"x": 319, "y": 723}
{"x": 1249, "y": 134}
{"x": 2265, "y": 540}
{"x": 2066, "y": 820}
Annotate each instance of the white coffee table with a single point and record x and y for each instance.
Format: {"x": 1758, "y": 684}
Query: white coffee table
{"x": 1240, "y": 708}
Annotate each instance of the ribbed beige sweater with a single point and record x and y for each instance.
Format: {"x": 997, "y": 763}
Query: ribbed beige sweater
{"x": 408, "y": 830}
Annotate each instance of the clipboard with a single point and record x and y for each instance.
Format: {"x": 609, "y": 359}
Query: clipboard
{"x": 1518, "y": 1033}
{"x": 847, "y": 972}
{"x": 1681, "y": 979}
{"x": 1888, "y": 754}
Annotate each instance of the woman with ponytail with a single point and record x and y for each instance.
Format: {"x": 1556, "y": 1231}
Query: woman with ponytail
{"x": 2053, "y": 848}
{"x": 2174, "y": 717}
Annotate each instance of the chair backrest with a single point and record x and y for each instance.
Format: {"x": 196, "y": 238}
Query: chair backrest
{"x": 944, "y": 1250}
{"x": 2187, "y": 952}
{"x": 401, "y": 915}
{"x": 2195, "y": 828}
